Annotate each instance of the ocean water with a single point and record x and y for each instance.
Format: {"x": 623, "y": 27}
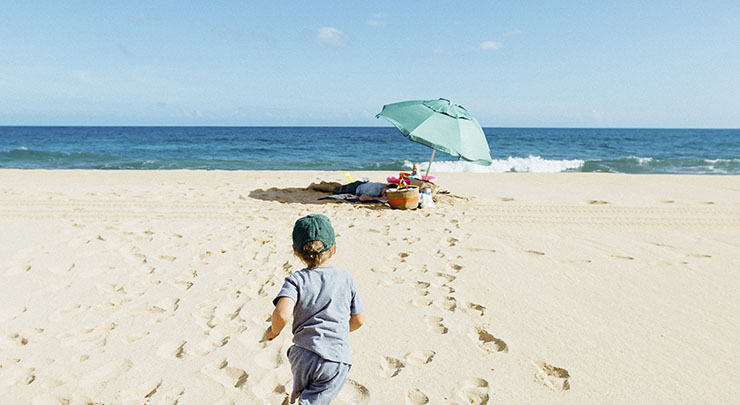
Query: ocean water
{"x": 676, "y": 151}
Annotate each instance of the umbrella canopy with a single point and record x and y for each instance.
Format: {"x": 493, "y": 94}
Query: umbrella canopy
{"x": 442, "y": 125}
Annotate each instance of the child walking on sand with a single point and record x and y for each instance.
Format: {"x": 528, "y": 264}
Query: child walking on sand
{"x": 325, "y": 307}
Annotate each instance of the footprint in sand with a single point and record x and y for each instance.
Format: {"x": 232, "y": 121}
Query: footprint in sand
{"x": 204, "y": 316}
{"x": 172, "y": 396}
{"x": 391, "y": 366}
{"x": 698, "y": 255}
{"x": 13, "y": 374}
{"x": 416, "y": 397}
{"x": 535, "y": 252}
{"x": 481, "y": 250}
{"x": 270, "y": 389}
{"x": 12, "y": 340}
{"x": 578, "y": 261}
{"x": 165, "y": 305}
{"x": 555, "y": 378}
{"x": 217, "y": 337}
{"x": 434, "y": 324}
{"x": 172, "y": 349}
{"x": 65, "y": 313}
{"x": 384, "y": 270}
{"x": 411, "y": 240}
{"x": 444, "y": 278}
{"x": 597, "y": 202}
{"x": 163, "y": 309}
{"x": 232, "y": 378}
{"x": 455, "y": 267}
{"x": 167, "y": 258}
{"x": 287, "y": 267}
{"x": 101, "y": 376}
{"x": 353, "y": 393}
{"x": 448, "y": 303}
{"x": 476, "y": 308}
{"x": 18, "y": 269}
{"x": 142, "y": 392}
{"x": 421, "y": 302}
{"x": 229, "y": 308}
{"x": 181, "y": 284}
{"x": 135, "y": 337}
{"x": 420, "y": 357}
{"x": 624, "y": 257}
{"x": 474, "y": 391}
{"x": 391, "y": 281}
{"x": 186, "y": 279}
{"x": 487, "y": 342}
{"x": 96, "y": 336}
{"x": 422, "y": 288}
{"x": 11, "y": 312}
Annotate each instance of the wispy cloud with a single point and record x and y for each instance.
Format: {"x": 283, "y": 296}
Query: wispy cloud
{"x": 331, "y": 36}
{"x": 376, "y": 20}
{"x": 490, "y": 45}
{"x": 512, "y": 33}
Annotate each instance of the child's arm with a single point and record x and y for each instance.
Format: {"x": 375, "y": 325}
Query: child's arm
{"x": 280, "y": 317}
{"x": 355, "y": 321}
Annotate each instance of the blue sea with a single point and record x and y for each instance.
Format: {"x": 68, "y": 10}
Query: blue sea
{"x": 540, "y": 150}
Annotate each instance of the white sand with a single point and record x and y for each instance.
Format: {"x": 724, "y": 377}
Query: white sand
{"x": 156, "y": 287}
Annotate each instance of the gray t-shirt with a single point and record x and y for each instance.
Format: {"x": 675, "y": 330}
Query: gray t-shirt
{"x": 371, "y": 189}
{"x": 325, "y": 297}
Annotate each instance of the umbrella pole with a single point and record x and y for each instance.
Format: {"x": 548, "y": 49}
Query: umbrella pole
{"x": 426, "y": 176}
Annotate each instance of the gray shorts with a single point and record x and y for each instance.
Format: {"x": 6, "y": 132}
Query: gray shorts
{"x": 316, "y": 380}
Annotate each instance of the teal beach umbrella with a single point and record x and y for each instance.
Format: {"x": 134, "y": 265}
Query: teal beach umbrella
{"x": 441, "y": 125}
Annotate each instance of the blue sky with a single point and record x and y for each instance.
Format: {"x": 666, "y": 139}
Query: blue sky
{"x": 510, "y": 63}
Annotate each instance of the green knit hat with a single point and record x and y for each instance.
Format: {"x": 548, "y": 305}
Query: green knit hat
{"x": 313, "y": 227}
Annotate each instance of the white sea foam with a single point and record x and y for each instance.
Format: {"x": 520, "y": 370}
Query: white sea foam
{"x": 531, "y": 164}
{"x": 642, "y": 160}
{"x": 723, "y": 166}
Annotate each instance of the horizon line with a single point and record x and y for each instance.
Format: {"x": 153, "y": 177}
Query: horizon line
{"x": 336, "y": 126}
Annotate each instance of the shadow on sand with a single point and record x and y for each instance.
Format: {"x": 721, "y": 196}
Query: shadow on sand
{"x": 295, "y": 195}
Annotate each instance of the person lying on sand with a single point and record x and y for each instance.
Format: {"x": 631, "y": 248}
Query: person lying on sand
{"x": 366, "y": 191}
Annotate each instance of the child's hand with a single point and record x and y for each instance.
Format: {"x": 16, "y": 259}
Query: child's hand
{"x": 269, "y": 335}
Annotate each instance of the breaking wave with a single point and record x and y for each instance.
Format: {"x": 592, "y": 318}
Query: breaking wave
{"x": 630, "y": 164}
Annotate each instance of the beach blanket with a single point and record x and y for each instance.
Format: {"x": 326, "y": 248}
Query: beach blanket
{"x": 348, "y": 197}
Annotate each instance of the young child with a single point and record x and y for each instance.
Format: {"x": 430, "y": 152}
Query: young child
{"x": 325, "y": 307}
{"x": 415, "y": 174}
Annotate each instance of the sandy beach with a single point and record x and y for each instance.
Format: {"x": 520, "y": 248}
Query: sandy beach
{"x": 134, "y": 287}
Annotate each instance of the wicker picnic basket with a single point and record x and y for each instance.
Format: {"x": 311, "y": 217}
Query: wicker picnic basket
{"x": 404, "y": 198}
